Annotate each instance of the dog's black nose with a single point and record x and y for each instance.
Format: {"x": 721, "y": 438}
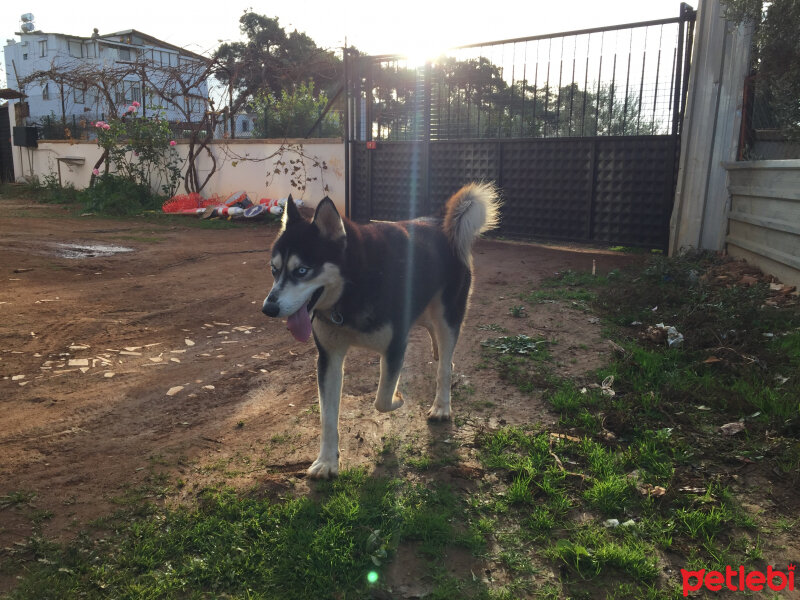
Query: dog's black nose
{"x": 271, "y": 309}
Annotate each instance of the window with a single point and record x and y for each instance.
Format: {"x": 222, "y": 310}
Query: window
{"x": 132, "y": 91}
{"x": 79, "y": 95}
{"x": 90, "y": 51}
{"x": 246, "y": 125}
{"x": 124, "y": 54}
{"x": 25, "y": 56}
{"x": 165, "y": 59}
{"x": 46, "y": 91}
{"x": 42, "y": 47}
{"x": 75, "y": 48}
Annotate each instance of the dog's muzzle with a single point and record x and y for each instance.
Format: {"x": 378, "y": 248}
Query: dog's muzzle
{"x": 271, "y": 308}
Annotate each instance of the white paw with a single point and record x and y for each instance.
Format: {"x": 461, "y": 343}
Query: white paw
{"x": 323, "y": 469}
{"x": 397, "y": 402}
{"x": 438, "y": 413}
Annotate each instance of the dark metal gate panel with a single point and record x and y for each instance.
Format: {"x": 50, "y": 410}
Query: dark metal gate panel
{"x": 6, "y": 158}
{"x": 399, "y": 193}
{"x": 455, "y": 163}
{"x": 633, "y": 190}
{"x": 547, "y": 188}
{"x": 359, "y": 193}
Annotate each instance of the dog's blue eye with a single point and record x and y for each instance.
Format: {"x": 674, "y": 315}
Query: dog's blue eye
{"x": 301, "y": 271}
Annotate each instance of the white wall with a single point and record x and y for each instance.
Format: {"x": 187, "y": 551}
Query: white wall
{"x": 241, "y": 165}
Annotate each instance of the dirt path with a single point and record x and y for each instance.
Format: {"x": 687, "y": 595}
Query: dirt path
{"x": 101, "y": 340}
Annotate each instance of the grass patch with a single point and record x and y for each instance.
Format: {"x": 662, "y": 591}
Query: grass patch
{"x": 230, "y": 544}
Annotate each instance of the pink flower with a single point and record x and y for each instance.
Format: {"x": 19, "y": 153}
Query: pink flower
{"x": 172, "y": 143}
{"x": 95, "y": 171}
{"x": 99, "y": 124}
{"x": 131, "y": 109}
{"x": 106, "y": 126}
{"x": 135, "y": 153}
{"x": 135, "y": 104}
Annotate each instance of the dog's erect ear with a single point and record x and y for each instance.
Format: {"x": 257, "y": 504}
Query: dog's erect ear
{"x": 328, "y": 221}
{"x": 291, "y": 215}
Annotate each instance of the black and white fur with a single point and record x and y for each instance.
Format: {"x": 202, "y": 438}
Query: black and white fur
{"x": 367, "y": 285}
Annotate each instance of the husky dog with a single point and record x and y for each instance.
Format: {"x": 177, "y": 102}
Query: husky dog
{"x": 367, "y": 285}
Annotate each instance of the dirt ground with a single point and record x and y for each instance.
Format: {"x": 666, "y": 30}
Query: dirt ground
{"x": 159, "y": 357}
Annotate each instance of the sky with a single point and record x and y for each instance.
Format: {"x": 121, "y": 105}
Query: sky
{"x": 415, "y": 27}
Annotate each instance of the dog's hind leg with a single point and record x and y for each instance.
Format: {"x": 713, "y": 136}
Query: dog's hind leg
{"x": 391, "y": 364}
{"x": 434, "y": 343}
{"x": 329, "y": 379}
{"x": 447, "y": 338}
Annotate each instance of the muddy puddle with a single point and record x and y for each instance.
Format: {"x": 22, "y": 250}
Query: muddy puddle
{"x": 88, "y": 250}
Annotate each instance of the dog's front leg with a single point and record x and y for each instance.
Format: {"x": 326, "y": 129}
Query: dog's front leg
{"x": 391, "y": 364}
{"x": 329, "y": 379}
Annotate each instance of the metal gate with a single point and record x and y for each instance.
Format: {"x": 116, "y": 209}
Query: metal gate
{"x": 6, "y": 158}
{"x": 580, "y": 130}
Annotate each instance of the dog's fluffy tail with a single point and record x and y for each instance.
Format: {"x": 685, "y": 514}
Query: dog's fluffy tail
{"x": 471, "y": 210}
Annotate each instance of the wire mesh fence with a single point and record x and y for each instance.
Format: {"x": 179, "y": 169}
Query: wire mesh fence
{"x": 614, "y": 81}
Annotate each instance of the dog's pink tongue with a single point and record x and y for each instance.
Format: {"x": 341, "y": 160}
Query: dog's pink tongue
{"x": 300, "y": 324}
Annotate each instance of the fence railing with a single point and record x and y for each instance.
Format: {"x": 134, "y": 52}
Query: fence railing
{"x": 614, "y": 81}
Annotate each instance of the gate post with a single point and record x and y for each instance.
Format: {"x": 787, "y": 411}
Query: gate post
{"x": 720, "y": 62}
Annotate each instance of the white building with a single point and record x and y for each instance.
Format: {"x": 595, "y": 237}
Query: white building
{"x": 98, "y": 77}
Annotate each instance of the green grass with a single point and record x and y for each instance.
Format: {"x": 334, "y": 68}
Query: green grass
{"x": 246, "y": 546}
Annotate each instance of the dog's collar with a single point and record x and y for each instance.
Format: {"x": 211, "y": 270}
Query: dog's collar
{"x": 334, "y": 316}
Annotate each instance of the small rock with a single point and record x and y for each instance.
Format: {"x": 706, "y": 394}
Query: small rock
{"x": 109, "y": 374}
{"x": 189, "y": 342}
{"x": 610, "y": 523}
{"x": 732, "y": 428}
{"x": 78, "y": 362}
{"x": 174, "y": 390}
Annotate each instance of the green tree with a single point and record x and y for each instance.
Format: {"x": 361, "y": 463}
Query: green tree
{"x": 776, "y": 56}
{"x": 293, "y": 113}
{"x": 271, "y": 60}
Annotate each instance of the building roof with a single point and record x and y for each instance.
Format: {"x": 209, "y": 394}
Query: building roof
{"x": 9, "y": 94}
{"x": 106, "y": 38}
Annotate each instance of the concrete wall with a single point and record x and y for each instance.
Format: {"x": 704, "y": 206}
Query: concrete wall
{"x": 764, "y": 221}
{"x": 241, "y": 165}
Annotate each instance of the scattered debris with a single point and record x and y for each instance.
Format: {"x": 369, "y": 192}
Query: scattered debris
{"x": 647, "y": 489}
{"x": 78, "y": 362}
{"x": 732, "y": 428}
{"x": 189, "y": 342}
{"x": 174, "y": 390}
{"x": 605, "y": 387}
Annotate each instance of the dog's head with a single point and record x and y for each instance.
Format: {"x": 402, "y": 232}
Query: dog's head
{"x": 306, "y": 265}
